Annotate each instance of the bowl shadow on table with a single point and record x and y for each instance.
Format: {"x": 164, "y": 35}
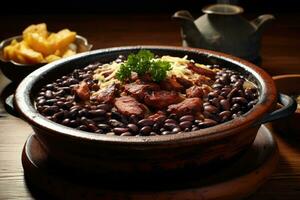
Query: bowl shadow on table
{"x": 6, "y": 99}
{"x": 280, "y": 179}
{"x": 195, "y": 177}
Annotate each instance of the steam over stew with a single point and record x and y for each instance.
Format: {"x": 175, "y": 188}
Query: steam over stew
{"x": 145, "y": 95}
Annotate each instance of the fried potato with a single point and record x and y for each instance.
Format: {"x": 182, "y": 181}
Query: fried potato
{"x": 39, "y": 46}
{"x": 40, "y": 29}
{"x": 52, "y": 58}
{"x": 62, "y": 39}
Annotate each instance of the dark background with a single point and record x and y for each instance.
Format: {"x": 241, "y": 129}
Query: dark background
{"x": 137, "y": 6}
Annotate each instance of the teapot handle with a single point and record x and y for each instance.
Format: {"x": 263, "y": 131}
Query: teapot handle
{"x": 262, "y": 20}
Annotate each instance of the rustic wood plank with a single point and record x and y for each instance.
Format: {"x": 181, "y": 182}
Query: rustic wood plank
{"x": 280, "y": 54}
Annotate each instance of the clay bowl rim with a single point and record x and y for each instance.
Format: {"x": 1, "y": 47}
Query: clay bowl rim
{"x": 288, "y": 76}
{"x": 7, "y": 41}
{"x": 267, "y": 100}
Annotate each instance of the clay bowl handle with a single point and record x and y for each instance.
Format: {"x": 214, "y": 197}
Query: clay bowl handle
{"x": 289, "y": 107}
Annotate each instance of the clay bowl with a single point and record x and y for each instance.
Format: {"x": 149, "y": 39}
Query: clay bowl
{"x": 17, "y": 71}
{"x": 288, "y": 84}
{"x": 101, "y": 154}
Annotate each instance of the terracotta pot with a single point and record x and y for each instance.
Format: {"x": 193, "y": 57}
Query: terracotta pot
{"x": 102, "y": 154}
{"x": 288, "y": 84}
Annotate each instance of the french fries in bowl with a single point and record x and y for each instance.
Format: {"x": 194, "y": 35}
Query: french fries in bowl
{"x": 36, "y": 47}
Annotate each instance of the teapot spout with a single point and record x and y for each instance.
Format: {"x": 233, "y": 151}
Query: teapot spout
{"x": 262, "y": 21}
{"x": 190, "y": 34}
{"x": 183, "y": 15}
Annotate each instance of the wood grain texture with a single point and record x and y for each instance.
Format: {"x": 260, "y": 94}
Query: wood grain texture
{"x": 280, "y": 54}
{"x": 246, "y": 174}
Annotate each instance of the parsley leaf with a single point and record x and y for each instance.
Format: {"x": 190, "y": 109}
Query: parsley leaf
{"x": 123, "y": 73}
{"x": 158, "y": 70}
{"x": 143, "y": 63}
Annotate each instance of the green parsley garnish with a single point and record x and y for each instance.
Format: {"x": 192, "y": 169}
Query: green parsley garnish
{"x": 143, "y": 63}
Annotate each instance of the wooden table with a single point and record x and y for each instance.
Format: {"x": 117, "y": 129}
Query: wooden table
{"x": 280, "y": 54}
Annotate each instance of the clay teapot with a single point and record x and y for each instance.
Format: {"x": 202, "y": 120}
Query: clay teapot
{"x": 222, "y": 28}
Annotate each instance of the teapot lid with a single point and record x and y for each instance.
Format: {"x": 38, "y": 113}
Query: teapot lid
{"x": 223, "y": 9}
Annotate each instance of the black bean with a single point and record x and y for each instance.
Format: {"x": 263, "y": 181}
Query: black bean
{"x": 153, "y": 133}
{"x": 206, "y": 103}
{"x": 162, "y": 129}
{"x": 100, "y": 131}
{"x": 156, "y": 126}
{"x": 146, "y": 122}
{"x": 92, "y": 127}
{"x": 99, "y": 119}
{"x": 176, "y": 130}
{"x": 252, "y": 103}
{"x": 166, "y": 133}
{"x": 173, "y": 116}
{"x": 93, "y": 107}
{"x": 235, "y": 107}
{"x": 115, "y": 123}
{"x": 49, "y": 86}
{"x": 171, "y": 121}
{"x": 105, "y": 107}
{"x": 210, "y": 109}
{"x": 39, "y": 98}
{"x": 66, "y": 122}
{"x": 195, "y": 129}
{"x": 224, "y": 93}
{"x": 213, "y": 94}
{"x": 90, "y": 121}
{"x": 73, "y": 113}
{"x": 119, "y": 130}
{"x": 82, "y": 127}
{"x": 48, "y": 94}
{"x": 60, "y": 93}
{"x": 76, "y": 107}
{"x": 225, "y": 104}
{"x": 68, "y": 104}
{"x": 239, "y": 100}
{"x": 126, "y": 134}
{"x": 185, "y": 124}
{"x": 97, "y": 113}
{"x": 116, "y": 115}
{"x": 232, "y": 93}
{"x": 207, "y": 123}
{"x": 224, "y": 79}
{"x": 133, "y": 128}
{"x": 134, "y": 119}
{"x": 186, "y": 130}
{"x": 82, "y": 112}
{"x": 217, "y": 86}
{"x": 72, "y": 81}
{"x": 58, "y": 115}
{"x": 187, "y": 118}
{"x": 41, "y": 102}
{"x": 104, "y": 127}
{"x": 170, "y": 126}
{"x": 60, "y": 104}
{"x": 215, "y": 102}
{"x": 238, "y": 84}
{"x": 234, "y": 78}
{"x": 73, "y": 123}
{"x": 50, "y": 110}
{"x": 225, "y": 115}
{"x": 145, "y": 130}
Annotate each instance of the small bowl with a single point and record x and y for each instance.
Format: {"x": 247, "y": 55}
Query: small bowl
{"x": 288, "y": 84}
{"x": 17, "y": 71}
